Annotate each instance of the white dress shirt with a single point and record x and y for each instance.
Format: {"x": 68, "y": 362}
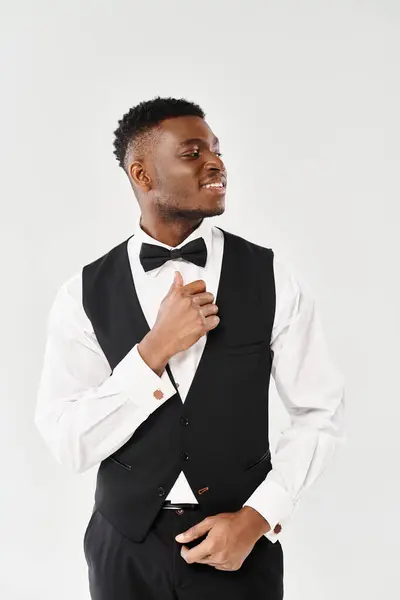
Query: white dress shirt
{"x": 85, "y": 413}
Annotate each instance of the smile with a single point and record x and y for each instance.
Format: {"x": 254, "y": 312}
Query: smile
{"x": 214, "y": 187}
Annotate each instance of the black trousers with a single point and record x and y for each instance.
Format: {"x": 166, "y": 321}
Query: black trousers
{"x": 154, "y": 569}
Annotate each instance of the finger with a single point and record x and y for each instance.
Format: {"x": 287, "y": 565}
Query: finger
{"x": 209, "y": 309}
{"x": 212, "y": 563}
{"x": 207, "y": 560}
{"x": 196, "y": 554}
{"x": 204, "y": 298}
{"x": 178, "y": 280}
{"x": 211, "y": 322}
{"x": 195, "y": 287}
{"x": 196, "y": 531}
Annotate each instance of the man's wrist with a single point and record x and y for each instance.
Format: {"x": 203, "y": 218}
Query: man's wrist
{"x": 153, "y": 353}
{"x": 260, "y": 524}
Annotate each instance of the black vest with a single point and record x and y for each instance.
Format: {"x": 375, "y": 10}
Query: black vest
{"x": 219, "y": 436}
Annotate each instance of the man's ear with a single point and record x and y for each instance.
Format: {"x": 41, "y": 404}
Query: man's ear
{"x": 139, "y": 176}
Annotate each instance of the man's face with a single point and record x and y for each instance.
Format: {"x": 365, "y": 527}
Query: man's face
{"x": 186, "y": 157}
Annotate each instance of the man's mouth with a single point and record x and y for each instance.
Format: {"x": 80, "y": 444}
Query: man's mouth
{"x": 217, "y": 189}
{"x": 218, "y": 185}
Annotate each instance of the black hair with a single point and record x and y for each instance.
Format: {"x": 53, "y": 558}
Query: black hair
{"x": 138, "y": 127}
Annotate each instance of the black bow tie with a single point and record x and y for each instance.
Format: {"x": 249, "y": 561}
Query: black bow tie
{"x": 153, "y": 256}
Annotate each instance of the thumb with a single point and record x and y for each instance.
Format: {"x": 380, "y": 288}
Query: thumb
{"x": 196, "y": 531}
{"x": 178, "y": 279}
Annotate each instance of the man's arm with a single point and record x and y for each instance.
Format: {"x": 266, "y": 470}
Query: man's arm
{"x": 84, "y": 413}
{"x": 312, "y": 390}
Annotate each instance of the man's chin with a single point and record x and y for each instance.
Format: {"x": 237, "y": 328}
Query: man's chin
{"x": 201, "y": 211}
{"x": 215, "y": 209}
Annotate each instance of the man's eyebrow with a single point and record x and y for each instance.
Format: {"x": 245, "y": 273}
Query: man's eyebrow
{"x": 197, "y": 141}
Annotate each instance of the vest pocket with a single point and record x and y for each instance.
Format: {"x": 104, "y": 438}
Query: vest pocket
{"x": 120, "y": 463}
{"x": 254, "y": 463}
{"x": 246, "y": 348}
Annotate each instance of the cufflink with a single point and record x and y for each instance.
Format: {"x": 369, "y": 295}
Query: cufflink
{"x": 277, "y": 528}
{"x": 158, "y": 394}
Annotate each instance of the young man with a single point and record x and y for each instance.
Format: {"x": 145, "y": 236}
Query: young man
{"x": 157, "y": 369}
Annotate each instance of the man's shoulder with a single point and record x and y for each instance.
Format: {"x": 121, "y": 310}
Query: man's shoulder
{"x": 109, "y": 255}
{"x": 70, "y": 290}
{"x": 242, "y": 240}
{"x": 286, "y": 272}
{"x": 67, "y": 298}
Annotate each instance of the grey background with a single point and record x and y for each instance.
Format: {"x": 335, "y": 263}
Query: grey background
{"x": 304, "y": 97}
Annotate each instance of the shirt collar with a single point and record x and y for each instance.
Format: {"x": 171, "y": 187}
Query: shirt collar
{"x": 204, "y": 230}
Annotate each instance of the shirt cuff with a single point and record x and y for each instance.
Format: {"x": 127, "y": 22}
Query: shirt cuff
{"x": 142, "y": 385}
{"x": 273, "y": 502}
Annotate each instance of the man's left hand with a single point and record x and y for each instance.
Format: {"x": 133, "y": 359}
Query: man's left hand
{"x": 231, "y": 538}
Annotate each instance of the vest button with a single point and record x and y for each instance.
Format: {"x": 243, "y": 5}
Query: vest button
{"x": 161, "y": 491}
{"x": 185, "y": 455}
{"x": 184, "y": 421}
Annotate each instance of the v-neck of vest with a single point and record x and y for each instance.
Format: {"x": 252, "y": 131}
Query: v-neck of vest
{"x": 145, "y": 325}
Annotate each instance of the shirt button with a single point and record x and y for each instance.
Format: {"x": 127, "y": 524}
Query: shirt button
{"x": 184, "y": 421}
{"x": 185, "y": 455}
{"x": 161, "y": 491}
{"x": 158, "y": 394}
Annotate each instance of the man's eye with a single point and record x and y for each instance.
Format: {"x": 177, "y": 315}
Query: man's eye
{"x": 197, "y": 152}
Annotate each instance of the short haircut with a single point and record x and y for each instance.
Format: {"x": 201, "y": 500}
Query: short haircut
{"x": 138, "y": 128}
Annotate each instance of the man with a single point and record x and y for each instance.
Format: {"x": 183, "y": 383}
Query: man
{"x": 157, "y": 368}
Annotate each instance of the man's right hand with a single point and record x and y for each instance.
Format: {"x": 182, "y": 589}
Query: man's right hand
{"x": 186, "y": 313}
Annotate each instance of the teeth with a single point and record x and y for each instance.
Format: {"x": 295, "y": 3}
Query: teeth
{"x": 219, "y": 185}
